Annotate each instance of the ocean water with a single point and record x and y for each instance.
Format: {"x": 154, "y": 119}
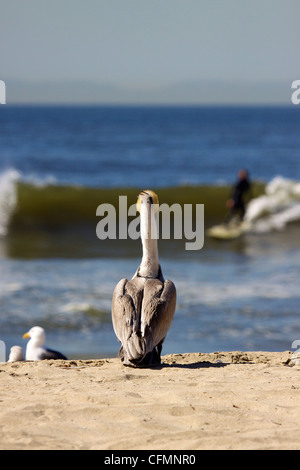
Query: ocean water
{"x": 58, "y": 164}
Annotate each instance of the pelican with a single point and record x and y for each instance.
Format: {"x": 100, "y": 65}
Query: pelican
{"x": 35, "y": 350}
{"x": 143, "y": 308}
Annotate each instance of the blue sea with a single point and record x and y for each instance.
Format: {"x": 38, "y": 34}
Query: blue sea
{"x": 59, "y": 163}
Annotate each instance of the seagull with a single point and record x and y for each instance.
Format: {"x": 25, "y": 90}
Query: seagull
{"x": 143, "y": 308}
{"x": 35, "y": 350}
{"x": 16, "y": 354}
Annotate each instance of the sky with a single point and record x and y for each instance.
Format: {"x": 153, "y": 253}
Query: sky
{"x": 147, "y": 46}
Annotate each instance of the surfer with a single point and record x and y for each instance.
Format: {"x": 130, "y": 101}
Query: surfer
{"x": 236, "y": 203}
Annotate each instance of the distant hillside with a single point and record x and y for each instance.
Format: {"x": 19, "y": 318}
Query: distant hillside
{"x": 186, "y": 92}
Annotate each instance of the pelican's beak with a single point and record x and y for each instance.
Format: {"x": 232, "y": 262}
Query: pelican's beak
{"x": 26, "y": 336}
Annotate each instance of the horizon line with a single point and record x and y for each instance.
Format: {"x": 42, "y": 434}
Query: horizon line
{"x": 149, "y": 104}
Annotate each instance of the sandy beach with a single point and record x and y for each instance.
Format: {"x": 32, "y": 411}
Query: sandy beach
{"x": 222, "y": 400}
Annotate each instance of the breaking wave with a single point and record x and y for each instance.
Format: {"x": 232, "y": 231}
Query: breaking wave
{"x": 30, "y": 203}
{"x": 41, "y": 218}
{"x": 8, "y": 198}
{"x": 276, "y": 208}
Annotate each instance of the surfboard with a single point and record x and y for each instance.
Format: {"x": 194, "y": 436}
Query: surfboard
{"x": 226, "y": 232}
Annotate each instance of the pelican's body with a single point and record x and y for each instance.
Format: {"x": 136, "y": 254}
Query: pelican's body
{"x": 143, "y": 308}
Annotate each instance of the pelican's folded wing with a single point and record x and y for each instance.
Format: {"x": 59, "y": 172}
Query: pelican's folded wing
{"x": 126, "y": 306}
{"x": 123, "y": 311}
{"x": 158, "y": 310}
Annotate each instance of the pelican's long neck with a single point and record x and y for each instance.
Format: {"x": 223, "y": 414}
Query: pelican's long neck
{"x": 150, "y": 264}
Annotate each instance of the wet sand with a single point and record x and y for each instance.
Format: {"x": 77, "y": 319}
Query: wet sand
{"x": 225, "y": 400}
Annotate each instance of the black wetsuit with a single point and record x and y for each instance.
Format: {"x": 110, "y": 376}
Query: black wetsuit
{"x": 240, "y": 188}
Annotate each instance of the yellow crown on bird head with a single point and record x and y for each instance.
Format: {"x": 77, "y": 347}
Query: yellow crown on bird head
{"x": 150, "y": 193}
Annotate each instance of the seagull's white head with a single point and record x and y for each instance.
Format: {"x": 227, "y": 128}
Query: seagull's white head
{"x": 36, "y": 335}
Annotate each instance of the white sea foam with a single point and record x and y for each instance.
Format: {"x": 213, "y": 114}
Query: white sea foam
{"x": 9, "y": 193}
{"x": 8, "y": 198}
{"x": 40, "y": 182}
{"x": 276, "y": 208}
{"x": 222, "y": 293}
{"x": 76, "y": 307}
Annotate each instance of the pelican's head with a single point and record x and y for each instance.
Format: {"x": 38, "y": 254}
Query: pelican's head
{"x": 147, "y": 196}
{"x": 37, "y": 335}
